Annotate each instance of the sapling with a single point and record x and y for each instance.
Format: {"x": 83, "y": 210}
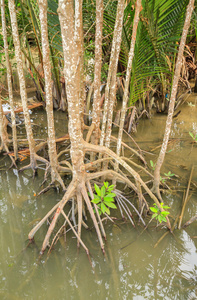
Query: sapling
{"x": 194, "y": 137}
{"x": 152, "y": 165}
{"x": 104, "y": 198}
{"x": 158, "y": 214}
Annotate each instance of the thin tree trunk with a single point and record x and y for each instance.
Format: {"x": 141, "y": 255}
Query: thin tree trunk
{"x": 9, "y": 79}
{"x": 21, "y": 76}
{"x": 110, "y": 90}
{"x": 178, "y": 66}
{"x": 3, "y": 132}
{"x": 79, "y": 42}
{"x": 97, "y": 71}
{"x": 71, "y": 68}
{"x": 48, "y": 89}
{"x": 128, "y": 75}
{"x": 3, "y": 128}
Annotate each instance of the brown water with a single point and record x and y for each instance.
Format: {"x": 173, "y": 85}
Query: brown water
{"x": 137, "y": 271}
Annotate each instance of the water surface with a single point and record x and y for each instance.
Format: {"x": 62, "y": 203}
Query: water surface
{"x": 132, "y": 267}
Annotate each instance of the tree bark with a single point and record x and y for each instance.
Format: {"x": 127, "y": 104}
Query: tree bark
{"x": 110, "y": 90}
{"x": 78, "y": 36}
{"x": 21, "y": 76}
{"x": 178, "y": 66}
{"x": 128, "y": 75}
{"x": 71, "y": 74}
{"x": 97, "y": 71}
{"x": 48, "y": 90}
{"x": 9, "y": 79}
{"x": 3, "y": 129}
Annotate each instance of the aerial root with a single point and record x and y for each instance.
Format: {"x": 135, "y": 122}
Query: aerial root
{"x": 123, "y": 198}
{"x": 123, "y": 207}
{"x": 88, "y": 203}
{"x": 78, "y": 191}
{"x": 81, "y": 193}
{"x": 69, "y": 193}
{"x": 105, "y": 150}
{"x": 74, "y": 231}
{"x": 33, "y": 163}
{"x": 57, "y": 236}
{"x": 80, "y": 211}
{"x": 10, "y": 156}
{"x": 46, "y": 189}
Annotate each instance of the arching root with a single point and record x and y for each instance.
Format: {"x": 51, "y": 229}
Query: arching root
{"x": 79, "y": 189}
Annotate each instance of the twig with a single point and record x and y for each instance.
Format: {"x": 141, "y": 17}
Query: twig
{"x": 186, "y": 198}
{"x": 194, "y": 218}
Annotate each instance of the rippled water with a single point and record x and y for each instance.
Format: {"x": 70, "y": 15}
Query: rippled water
{"x": 132, "y": 267}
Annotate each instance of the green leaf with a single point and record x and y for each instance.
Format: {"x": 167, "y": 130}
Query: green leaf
{"x": 111, "y": 186}
{"x": 96, "y": 200}
{"x": 163, "y": 219}
{"x": 166, "y": 207}
{"x": 103, "y": 189}
{"x": 165, "y": 213}
{"x": 151, "y": 163}
{"x": 191, "y": 134}
{"x": 110, "y": 204}
{"x": 107, "y": 211}
{"x": 103, "y": 207}
{"x": 154, "y": 216}
{"x": 106, "y": 184}
{"x": 111, "y": 195}
{"x": 154, "y": 209}
{"x": 108, "y": 199}
{"x": 98, "y": 191}
{"x": 169, "y": 174}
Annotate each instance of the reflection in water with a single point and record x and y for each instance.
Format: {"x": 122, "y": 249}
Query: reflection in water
{"x": 137, "y": 271}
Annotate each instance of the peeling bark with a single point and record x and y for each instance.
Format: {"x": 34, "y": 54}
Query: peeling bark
{"x": 3, "y": 128}
{"x": 162, "y": 153}
{"x": 97, "y": 71}
{"x": 48, "y": 90}
{"x": 128, "y": 75}
{"x": 4, "y": 133}
{"x": 21, "y": 76}
{"x": 78, "y": 37}
{"x": 9, "y": 79}
{"x": 110, "y": 90}
{"x": 71, "y": 74}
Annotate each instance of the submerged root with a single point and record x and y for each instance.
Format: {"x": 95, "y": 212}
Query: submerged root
{"x": 78, "y": 189}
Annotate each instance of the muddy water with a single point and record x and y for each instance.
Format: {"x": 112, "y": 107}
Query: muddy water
{"x": 132, "y": 268}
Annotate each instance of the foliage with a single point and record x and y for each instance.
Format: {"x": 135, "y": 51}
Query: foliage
{"x": 159, "y": 31}
{"x": 158, "y": 214}
{"x": 194, "y": 137}
{"x": 169, "y": 175}
{"x": 104, "y": 198}
{"x": 153, "y": 165}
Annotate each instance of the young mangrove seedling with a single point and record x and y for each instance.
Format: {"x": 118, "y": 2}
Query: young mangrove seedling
{"x": 169, "y": 175}
{"x": 104, "y": 198}
{"x": 194, "y": 137}
{"x": 159, "y": 215}
{"x": 153, "y": 165}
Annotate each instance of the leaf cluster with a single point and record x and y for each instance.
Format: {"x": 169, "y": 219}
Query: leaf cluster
{"x": 169, "y": 174}
{"x": 194, "y": 137}
{"x": 159, "y": 31}
{"x": 104, "y": 198}
{"x": 160, "y": 215}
